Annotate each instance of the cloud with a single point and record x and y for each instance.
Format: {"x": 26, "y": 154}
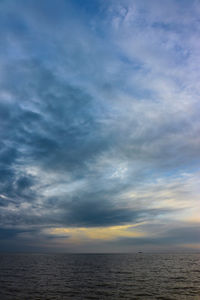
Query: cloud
{"x": 99, "y": 114}
{"x": 172, "y": 239}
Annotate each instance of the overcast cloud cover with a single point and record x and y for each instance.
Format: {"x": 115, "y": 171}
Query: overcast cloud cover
{"x": 99, "y": 125}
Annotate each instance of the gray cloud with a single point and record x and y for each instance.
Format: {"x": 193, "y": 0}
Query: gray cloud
{"x": 177, "y": 237}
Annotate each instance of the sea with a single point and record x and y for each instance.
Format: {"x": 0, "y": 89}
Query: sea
{"x": 100, "y": 276}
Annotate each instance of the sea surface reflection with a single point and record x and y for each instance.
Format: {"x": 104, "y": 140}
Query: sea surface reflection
{"x": 100, "y": 276}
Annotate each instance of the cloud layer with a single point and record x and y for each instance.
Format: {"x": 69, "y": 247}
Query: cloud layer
{"x": 100, "y": 127}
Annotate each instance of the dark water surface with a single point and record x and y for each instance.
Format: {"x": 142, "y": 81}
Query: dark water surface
{"x": 100, "y": 276}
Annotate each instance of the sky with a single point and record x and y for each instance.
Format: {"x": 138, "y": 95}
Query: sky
{"x": 99, "y": 125}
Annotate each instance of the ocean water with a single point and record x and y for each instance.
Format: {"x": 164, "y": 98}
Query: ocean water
{"x": 100, "y": 276}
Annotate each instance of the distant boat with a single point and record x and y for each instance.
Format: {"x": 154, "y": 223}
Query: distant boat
{"x": 140, "y": 252}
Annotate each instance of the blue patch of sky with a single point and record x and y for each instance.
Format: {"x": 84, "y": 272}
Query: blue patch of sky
{"x": 89, "y": 7}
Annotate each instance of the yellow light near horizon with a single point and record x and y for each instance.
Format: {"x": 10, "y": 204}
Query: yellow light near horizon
{"x": 192, "y": 246}
{"x": 98, "y": 233}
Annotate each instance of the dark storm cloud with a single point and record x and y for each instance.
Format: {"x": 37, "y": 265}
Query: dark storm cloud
{"x": 7, "y": 233}
{"x": 65, "y": 133}
{"x": 96, "y": 212}
{"x": 62, "y": 136}
{"x": 96, "y": 209}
